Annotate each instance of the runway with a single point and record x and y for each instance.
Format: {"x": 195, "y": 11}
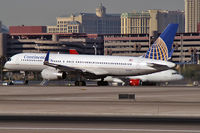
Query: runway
{"x": 99, "y": 109}
{"x": 97, "y": 127}
{"x": 100, "y": 101}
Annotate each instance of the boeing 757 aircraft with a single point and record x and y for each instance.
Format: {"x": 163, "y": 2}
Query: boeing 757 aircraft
{"x": 58, "y": 66}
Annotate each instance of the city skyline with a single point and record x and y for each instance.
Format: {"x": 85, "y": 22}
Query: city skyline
{"x": 44, "y": 12}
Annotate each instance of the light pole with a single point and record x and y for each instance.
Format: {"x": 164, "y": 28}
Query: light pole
{"x": 38, "y": 48}
{"x": 95, "y": 49}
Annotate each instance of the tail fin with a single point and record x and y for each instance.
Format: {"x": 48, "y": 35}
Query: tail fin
{"x": 47, "y": 57}
{"x": 162, "y": 47}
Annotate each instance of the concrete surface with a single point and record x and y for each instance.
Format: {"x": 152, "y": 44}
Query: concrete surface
{"x": 165, "y": 102}
{"x": 97, "y": 127}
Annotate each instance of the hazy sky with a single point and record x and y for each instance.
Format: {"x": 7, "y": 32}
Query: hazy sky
{"x": 44, "y": 12}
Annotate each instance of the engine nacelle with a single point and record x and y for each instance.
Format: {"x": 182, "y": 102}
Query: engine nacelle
{"x": 53, "y": 74}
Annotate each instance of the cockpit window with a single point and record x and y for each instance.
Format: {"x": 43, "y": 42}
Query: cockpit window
{"x": 174, "y": 73}
{"x": 9, "y": 59}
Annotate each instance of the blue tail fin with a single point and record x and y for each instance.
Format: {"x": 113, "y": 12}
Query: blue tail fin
{"x": 47, "y": 57}
{"x": 162, "y": 47}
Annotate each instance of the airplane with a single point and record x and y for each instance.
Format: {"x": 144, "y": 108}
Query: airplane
{"x": 153, "y": 78}
{"x": 59, "y": 66}
{"x": 149, "y": 79}
{"x": 163, "y": 76}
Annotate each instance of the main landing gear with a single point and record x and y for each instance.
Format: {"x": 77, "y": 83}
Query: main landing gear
{"x": 44, "y": 82}
{"x": 80, "y": 83}
{"x": 102, "y": 83}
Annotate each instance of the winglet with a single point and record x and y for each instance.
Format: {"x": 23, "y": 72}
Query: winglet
{"x": 47, "y": 57}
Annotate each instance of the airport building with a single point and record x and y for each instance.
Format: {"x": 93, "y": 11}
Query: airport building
{"x": 186, "y": 46}
{"x": 150, "y": 21}
{"x": 56, "y": 43}
{"x": 91, "y": 23}
{"x": 27, "y": 29}
{"x": 192, "y": 15}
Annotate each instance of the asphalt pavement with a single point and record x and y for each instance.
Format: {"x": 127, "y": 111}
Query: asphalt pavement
{"x": 92, "y": 109}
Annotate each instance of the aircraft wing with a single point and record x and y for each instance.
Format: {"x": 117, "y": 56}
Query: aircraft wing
{"x": 78, "y": 70}
{"x": 61, "y": 67}
{"x": 97, "y": 71}
{"x": 91, "y": 71}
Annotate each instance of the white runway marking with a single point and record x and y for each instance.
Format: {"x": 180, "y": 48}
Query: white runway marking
{"x": 101, "y": 129}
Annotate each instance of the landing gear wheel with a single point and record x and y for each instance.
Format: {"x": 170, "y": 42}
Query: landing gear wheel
{"x": 105, "y": 83}
{"x": 80, "y": 83}
{"x": 76, "y": 83}
{"x": 102, "y": 83}
{"x": 26, "y": 82}
{"x": 83, "y": 83}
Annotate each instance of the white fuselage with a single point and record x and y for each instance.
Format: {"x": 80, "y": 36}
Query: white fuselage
{"x": 163, "y": 76}
{"x": 112, "y": 65}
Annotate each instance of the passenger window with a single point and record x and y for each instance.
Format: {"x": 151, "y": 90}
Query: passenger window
{"x": 174, "y": 73}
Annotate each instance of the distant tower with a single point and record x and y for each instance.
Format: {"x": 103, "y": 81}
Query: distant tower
{"x": 101, "y": 11}
{"x": 192, "y": 15}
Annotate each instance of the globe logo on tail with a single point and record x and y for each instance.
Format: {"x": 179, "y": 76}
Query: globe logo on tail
{"x": 158, "y": 51}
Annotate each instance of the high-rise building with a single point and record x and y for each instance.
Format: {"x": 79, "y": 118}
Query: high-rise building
{"x": 161, "y": 18}
{"x": 146, "y": 22}
{"x": 198, "y": 27}
{"x": 192, "y": 15}
{"x": 92, "y": 23}
{"x": 135, "y": 23}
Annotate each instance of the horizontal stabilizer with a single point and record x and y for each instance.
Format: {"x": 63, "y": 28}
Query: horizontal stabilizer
{"x": 158, "y": 66}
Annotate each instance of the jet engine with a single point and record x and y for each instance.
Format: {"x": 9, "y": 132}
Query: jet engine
{"x": 53, "y": 74}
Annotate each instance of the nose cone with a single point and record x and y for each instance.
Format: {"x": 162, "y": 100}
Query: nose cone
{"x": 180, "y": 77}
{"x": 7, "y": 65}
